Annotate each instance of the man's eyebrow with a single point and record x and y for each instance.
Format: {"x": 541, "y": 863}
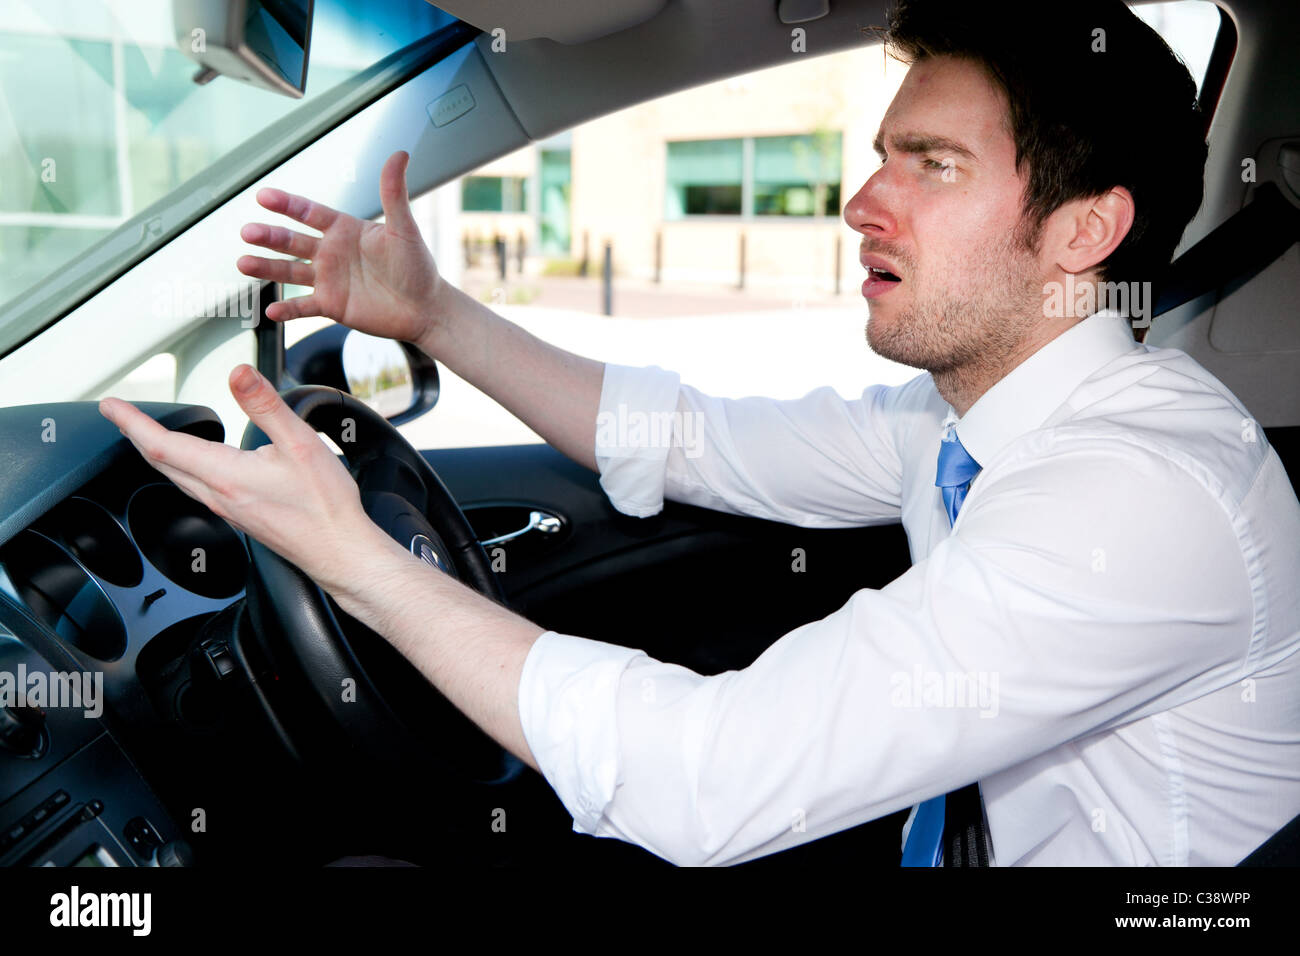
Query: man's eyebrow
{"x": 922, "y": 143}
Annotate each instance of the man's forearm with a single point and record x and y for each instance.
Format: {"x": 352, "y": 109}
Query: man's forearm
{"x": 470, "y": 648}
{"x": 554, "y": 392}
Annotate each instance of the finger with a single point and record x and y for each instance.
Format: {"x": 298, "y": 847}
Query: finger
{"x": 280, "y": 239}
{"x": 206, "y": 461}
{"x": 266, "y": 409}
{"x": 314, "y": 214}
{"x": 277, "y": 270}
{"x": 393, "y": 197}
{"x": 300, "y": 306}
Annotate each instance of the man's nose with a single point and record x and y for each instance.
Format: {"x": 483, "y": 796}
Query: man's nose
{"x": 869, "y": 212}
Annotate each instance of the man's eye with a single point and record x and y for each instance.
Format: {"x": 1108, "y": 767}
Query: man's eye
{"x": 936, "y": 164}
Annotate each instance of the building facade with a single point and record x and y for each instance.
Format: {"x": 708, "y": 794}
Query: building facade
{"x": 744, "y": 176}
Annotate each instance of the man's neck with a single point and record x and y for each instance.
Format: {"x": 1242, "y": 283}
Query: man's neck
{"x": 962, "y": 385}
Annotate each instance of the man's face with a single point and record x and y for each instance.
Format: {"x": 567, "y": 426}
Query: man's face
{"x": 942, "y": 213}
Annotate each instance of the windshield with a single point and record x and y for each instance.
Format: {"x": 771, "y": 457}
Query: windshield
{"x": 100, "y": 116}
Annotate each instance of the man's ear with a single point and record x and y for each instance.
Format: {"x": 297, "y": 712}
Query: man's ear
{"x": 1084, "y": 232}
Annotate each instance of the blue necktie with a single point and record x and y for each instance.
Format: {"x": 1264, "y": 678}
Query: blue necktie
{"x": 924, "y": 845}
{"x": 956, "y": 469}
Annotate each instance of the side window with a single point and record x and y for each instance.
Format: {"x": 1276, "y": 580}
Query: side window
{"x": 701, "y": 232}
{"x": 1190, "y": 27}
{"x": 716, "y": 214}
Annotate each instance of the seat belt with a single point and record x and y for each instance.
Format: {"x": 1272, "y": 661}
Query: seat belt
{"x": 1281, "y": 849}
{"x": 1250, "y": 239}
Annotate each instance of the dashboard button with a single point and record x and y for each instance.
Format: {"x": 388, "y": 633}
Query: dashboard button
{"x": 143, "y": 838}
{"x": 220, "y": 659}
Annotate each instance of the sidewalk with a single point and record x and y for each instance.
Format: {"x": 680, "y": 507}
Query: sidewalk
{"x": 726, "y": 342}
{"x": 642, "y": 298}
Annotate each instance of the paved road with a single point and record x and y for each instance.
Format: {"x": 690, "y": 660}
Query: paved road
{"x": 782, "y": 353}
{"x": 639, "y": 298}
{"x": 726, "y": 342}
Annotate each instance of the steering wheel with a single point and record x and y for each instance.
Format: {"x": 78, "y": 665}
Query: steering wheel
{"x": 384, "y": 707}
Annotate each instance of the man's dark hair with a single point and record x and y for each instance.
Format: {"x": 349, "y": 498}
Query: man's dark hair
{"x": 1088, "y": 110}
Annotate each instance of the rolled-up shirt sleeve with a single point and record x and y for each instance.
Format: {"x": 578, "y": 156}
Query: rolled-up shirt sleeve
{"x": 816, "y": 461}
{"x": 631, "y": 457}
{"x": 1051, "y": 613}
{"x": 568, "y": 692}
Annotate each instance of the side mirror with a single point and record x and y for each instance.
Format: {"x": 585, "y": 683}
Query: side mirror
{"x": 394, "y": 378}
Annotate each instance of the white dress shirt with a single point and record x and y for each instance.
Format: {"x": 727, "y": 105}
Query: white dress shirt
{"x": 1107, "y": 638}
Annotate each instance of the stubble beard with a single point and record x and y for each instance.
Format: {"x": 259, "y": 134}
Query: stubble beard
{"x": 966, "y": 333}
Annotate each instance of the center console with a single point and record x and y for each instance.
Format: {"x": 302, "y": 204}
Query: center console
{"x": 69, "y": 794}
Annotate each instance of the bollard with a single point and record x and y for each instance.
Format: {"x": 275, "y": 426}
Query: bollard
{"x": 500, "y": 243}
{"x": 659, "y": 256}
{"x": 608, "y": 279}
{"x": 741, "y": 284}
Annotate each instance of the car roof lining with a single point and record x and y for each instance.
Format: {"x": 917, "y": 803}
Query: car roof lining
{"x": 554, "y": 86}
{"x": 564, "y": 21}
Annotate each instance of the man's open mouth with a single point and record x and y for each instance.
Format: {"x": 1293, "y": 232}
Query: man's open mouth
{"x": 879, "y": 281}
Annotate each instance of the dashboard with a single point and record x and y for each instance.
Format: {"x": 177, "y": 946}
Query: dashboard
{"x": 111, "y": 583}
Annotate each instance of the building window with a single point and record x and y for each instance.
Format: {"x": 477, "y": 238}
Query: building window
{"x": 494, "y": 194}
{"x": 755, "y": 176}
{"x": 705, "y": 177}
{"x": 797, "y": 175}
{"x": 555, "y": 175}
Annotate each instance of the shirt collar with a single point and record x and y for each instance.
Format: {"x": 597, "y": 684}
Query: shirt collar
{"x": 1023, "y": 398}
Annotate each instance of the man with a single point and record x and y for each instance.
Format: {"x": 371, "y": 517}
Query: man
{"x": 1101, "y": 623}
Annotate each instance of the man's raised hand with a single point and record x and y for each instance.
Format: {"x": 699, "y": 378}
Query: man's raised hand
{"x": 378, "y": 278}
